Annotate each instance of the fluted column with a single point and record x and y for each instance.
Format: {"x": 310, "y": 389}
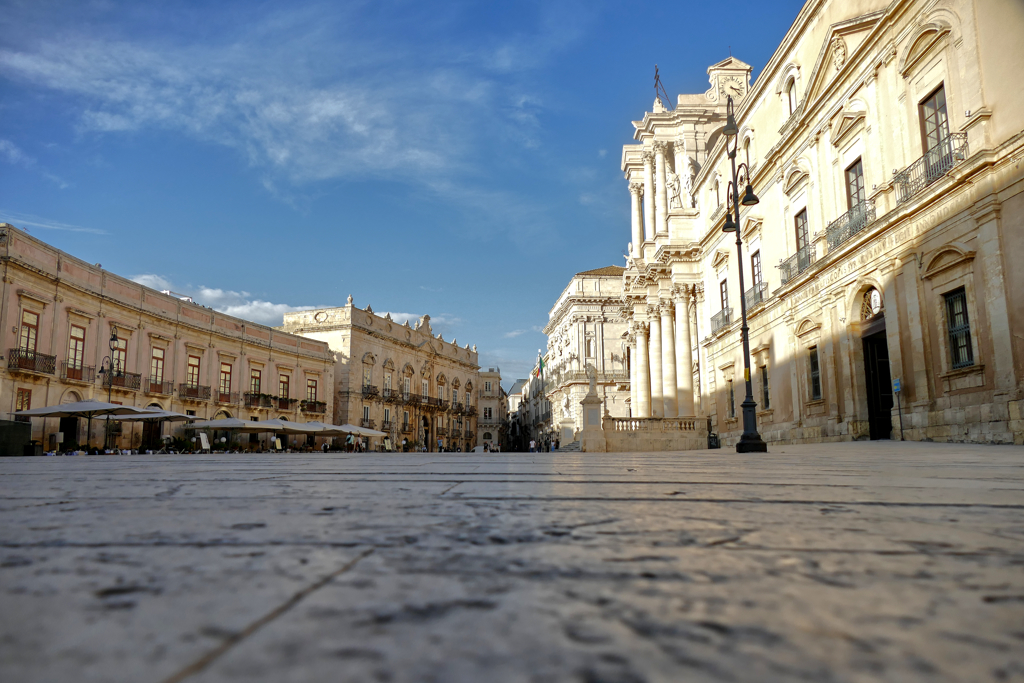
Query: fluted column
{"x": 636, "y": 190}
{"x": 648, "y": 159}
{"x": 657, "y": 383}
{"x": 684, "y": 356}
{"x": 643, "y": 376}
{"x": 668, "y": 359}
{"x": 661, "y": 191}
{"x": 631, "y": 350}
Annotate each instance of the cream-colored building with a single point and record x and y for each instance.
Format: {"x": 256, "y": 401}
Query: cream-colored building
{"x": 57, "y": 315}
{"x": 492, "y": 421}
{"x": 585, "y": 329}
{"x": 885, "y": 141}
{"x": 400, "y": 379}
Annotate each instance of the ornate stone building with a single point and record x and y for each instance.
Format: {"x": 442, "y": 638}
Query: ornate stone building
{"x": 492, "y": 421}
{"x": 885, "y": 141}
{"x": 57, "y": 314}
{"x": 585, "y": 328}
{"x": 396, "y": 378}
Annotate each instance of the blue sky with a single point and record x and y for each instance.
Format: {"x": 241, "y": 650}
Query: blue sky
{"x": 453, "y": 158}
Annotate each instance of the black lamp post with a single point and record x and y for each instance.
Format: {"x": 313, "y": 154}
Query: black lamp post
{"x": 108, "y": 370}
{"x": 750, "y": 441}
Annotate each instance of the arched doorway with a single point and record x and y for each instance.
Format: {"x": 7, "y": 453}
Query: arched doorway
{"x": 152, "y": 430}
{"x": 878, "y": 380}
{"x": 69, "y": 425}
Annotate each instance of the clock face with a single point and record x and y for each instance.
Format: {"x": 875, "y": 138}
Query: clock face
{"x": 730, "y": 86}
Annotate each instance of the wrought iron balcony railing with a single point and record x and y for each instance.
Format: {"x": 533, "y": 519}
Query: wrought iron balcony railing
{"x": 796, "y": 264}
{"x": 23, "y": 359}
{"x": 850, "y": 223}
{"x": 458, "y": 408}
{"x": 370, "y": 391}
{"x": 76, "y": 372}
{"x": 756, "y": 295}
{"x": 130, "y": 381}
{"x": 194, "y": 392}
{"x": 226, "y": 397}
{"x": 286, "y": 403}
{"x": 156, "y": 385}
{"x": 390, "y": 395}
{"x": 313, "y": 406}
{"x": 442, "y": 431}
{"x": 406, "y": 427}
{"x": 930, "y": 167}
{"x": 469, "y": 434}
{"x": 255, "y": 400}
{"x": 386, "y": 425}
{"x": 471, "y": 410}
{"x": 721, "y": 320}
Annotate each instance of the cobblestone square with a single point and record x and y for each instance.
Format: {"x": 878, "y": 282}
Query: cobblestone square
{"x": 835, "y": 562}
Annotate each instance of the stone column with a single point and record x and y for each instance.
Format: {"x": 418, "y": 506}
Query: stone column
{"x": 636, "y": 190}
{"x": 643, "y": 376}
{"x": 648, "y": 159}
{"x": 684, "y": 356}
{"x": 631, "y": 350}
{"x": 657, "y": 383}
{"x": 661, "y": 191}
{"x": 668, "y": 359}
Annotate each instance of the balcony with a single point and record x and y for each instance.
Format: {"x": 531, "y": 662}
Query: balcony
{"x": 254, "y": 400}
{"x": 390, "y": 395}
{"x": 76, "y": 372}
{"x": 226, "y": 397}
{"x": 721, "y": 320}
{"x": 470, "y": 435}
{"x": 284, "y": 403}
{"x": 442, "y": 431}
{"x": 406, "y": 427}
{"x": 933, "y": 165}
{"x": 313, "y": 406}
{"x": 30, "y": 361}
{"x": 458, "y": 408}
{"x": 156, "y": 385}
{"x": 471, "y": 410}
{"x": 193, "y": 392}
{"x": 796, "y": 264}
{"x": 386, "y": 425}
{"x": 370, "y": 391}
{"x": 850, "y": 223}
{"x": 756, "y": 295}
{"x": 368, "y": 424}
{"x": 128, "y": 381}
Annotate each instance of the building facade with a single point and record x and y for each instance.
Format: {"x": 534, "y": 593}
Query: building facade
{"x": 59, "y": 316}
{"x": 885, "y": 142}
{"x": 492, "y": 421}
{"x": 585, "y": 329}
{"x": 400, "y": 379}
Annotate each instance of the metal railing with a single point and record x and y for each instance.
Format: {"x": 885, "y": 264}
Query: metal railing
{"x": 370, "y": 391}
{"x": 132, "y": 381}
{"x": 159, "y": 386}
{"x": 194, "y": 392}
{"x": 252, "y": 400}
{"x": 406, "y": 427}
{"x": 442, "y": 431}
{"x": 721, "y": 320}
{"x": 286, "y": 403}
{"x": 75, "y": 372}
{"x": 227, "y": 397}
{"x": 469, "y": 434}
{"x": 23, "y": 359}
{"x": 930, "y": 167}
{"x": 390, "y": 395}
{"x": 756, "y": 295}
{"x": 471, "y": 410}
{"x": 314, "y": 407}
{"x": 850, "y": 223}
{"x": 386, "y": 425}
{"x": 796, "y": 264}
{"x": 458, "y": 408}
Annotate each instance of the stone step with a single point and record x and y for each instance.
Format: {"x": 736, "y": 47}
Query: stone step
{"x": 573, "y": 447}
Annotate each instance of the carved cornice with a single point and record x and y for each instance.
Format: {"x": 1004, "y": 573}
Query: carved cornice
{"x": 637, "y": 189}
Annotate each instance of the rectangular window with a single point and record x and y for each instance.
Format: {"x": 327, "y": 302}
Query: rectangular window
{"x": 801, "y": 230}
{"x": 765, "y": 400}
{"x": 284, "y": 386}
{"x": 487, "y": 386}
{"x": 934, "y": 121}
{"x": 255, "y": 380}
{"x": 156, "y": 366}
{"x": 311, "y": 389}
{"x": 855, "y": 193}
{"x": 192, "y": 371}
{"x": 23, "y": 400}
{"x": 755, "y": 267}
{"x": 387, "y": 414}
{"x": 425, "y": 387}
{"x": 387, "y": 382}
{"x": 440, "y": 392}
{"x": 120, "y": 356}
{"x": 815, "y": 374}
{"x": 29, "y": 331}
{"x": 732, "y": 398}
{"x": 723, "y": 290}
{"x": 405, "y": 417}
{"x": 406, "y": 385}
{"x": 76, "y": 352}
{"x": 959, "y": 329}
{"x": 367, "y": 376}
{"x": 487, "y": 413}
{"x": 468, "y": 398}
{"x": 366, "y": 412}
{"x": 225, "y": 378}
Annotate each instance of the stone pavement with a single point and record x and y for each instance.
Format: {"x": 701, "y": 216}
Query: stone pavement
{"x": 839, "y": 562}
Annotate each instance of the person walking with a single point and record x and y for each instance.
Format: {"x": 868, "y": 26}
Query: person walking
{"x": 533, "y": 446}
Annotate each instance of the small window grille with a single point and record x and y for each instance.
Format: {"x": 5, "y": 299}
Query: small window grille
{"x": 815, "y": 375}
{"x": 959, "y": 329}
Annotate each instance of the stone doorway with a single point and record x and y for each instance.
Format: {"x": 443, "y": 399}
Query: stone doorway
{"x": 879, "y": 385}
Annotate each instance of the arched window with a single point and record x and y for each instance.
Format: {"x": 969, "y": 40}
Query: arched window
{"x": 791, "y": 95}
{"x": 746, "y": 151}
{"x": 718, "y": 196}
{"x": 487, "y": 436}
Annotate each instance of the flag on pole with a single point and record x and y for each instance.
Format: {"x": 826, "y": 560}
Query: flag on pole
{"x": 540, "y": 367}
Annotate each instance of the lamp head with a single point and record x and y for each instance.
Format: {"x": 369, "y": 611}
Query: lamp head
{"x": 730, "y": 225}
{"x": 749, "y": 198}
{"x": 731, "y": 130}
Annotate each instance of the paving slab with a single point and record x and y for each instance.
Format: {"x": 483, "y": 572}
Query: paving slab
{"x": 847, "y": 562}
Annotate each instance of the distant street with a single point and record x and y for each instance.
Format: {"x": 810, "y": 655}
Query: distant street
{"x": 871, "y": 561}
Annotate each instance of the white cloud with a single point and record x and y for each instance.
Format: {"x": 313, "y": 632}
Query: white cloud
{"x": 239, "y": 304}
{"x": 14, "y": 155}
{"x": 21, "y": 220}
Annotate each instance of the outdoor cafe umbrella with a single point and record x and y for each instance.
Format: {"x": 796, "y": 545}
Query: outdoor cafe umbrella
{"x": 287, "y": 427}
{"x": 86, "y": 409}
{"x": 163, "y": 415}
{"x": 361, "y": 431}
{"x": 325, "y": 429}
{"x": 229, "y": 424}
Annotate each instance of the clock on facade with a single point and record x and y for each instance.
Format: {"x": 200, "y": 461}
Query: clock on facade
{"x": 730, "y": 85}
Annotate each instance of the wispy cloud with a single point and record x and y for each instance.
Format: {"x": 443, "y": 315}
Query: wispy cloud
{"x": 517, "y": 333}
{"x": 12, "y": 154}
{"x": 25, "y": 220}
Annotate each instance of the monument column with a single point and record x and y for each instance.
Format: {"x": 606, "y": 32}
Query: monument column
{"x": 631, "y": 350}
{"x": 635, "y": 192}
{"x": 648, "y": 192}
{"x": 643, "y": 377}
{"x": 657, "y": 383}
{"x": 668, "y": 359}
{"x": 684, "y": 355}
{"x": 661, "y": 191}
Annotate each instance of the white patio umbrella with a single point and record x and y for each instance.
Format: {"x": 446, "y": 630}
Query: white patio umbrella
{"x": 361, "y": 431}
{"x": 148, "y": 414}
{"x": 326, "y": 429}
{"x": 229, "y": 424}
{"x": 86, "y": 409}
{"x": 287, "y": 427}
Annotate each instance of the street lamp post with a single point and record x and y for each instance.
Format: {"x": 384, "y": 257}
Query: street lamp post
{"x": 108, "y": 373}
{"x": 750, "y": 441}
